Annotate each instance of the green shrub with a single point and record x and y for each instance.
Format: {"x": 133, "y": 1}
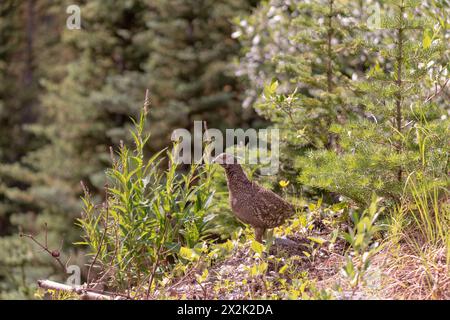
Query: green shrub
{"x": 149, "y": 214}
{"x": 363, "y": 247}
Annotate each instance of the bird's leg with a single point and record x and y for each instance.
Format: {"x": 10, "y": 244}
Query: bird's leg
{"x": 259, "y": 232}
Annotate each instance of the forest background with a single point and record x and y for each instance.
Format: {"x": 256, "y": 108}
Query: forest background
{"x": 357, "y": 88}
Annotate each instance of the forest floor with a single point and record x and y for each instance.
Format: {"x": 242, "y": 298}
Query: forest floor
{"x": 305, "y": 260}
{"x": 395, "y": 273}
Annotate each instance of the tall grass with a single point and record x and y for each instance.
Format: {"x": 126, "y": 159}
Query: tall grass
{"x": 420, "y": 241}
{"x": 429, "y": 209}
{"x": 422, "y": 218}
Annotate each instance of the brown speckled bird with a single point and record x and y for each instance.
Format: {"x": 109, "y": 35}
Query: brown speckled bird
{"x": 250, "y": 202}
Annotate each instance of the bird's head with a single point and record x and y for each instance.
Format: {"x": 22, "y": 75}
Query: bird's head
{"x": 225, "y": 159}
{"x": 231, "y": 165}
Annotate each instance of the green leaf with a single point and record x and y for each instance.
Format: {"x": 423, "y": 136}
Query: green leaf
{"x": 188, "y": 254}
{"x": 257, "y": 247}
{"x": 426, "y": 42}
{"x": 359, "y": 240}
{"x": 203, "y": 277}
{"x": 317, "y": 240}
{"x": 270, "y": 89}
{"x": 283, "y": 269}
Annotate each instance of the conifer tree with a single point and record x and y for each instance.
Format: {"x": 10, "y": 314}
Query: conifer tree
{"x": 310, "y": 50}
{"x": 122, "y": 49}
{"x": 94, "y": 81}
{"x": 406, "y": 132}
{"x": 28, "y": 38}
{"x": 321, "y": 96}
{"x": 189, "y": 70}
{"x": 306, "y": 54}
{"x": 90, "y": 98}
{"x": 87, "y": 84}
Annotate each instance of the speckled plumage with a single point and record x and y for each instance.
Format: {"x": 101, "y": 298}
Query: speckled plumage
{"x": 250, "y": 202}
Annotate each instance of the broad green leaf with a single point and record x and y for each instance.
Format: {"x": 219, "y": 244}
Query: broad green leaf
{"x": 257, "y": 247}
{"x": 188, "y": 254}
{"x": 317, "y": 240}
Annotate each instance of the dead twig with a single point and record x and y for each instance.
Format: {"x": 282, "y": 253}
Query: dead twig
{"x": 205, "y": 292}
{"x": 55, "y": 254}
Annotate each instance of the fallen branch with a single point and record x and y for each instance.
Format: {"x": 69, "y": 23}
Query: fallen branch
{"x": 84, "y": 293}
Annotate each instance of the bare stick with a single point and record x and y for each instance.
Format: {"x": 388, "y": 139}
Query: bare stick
{"x": 84, "y": 293}
{"x": 55, "y": 254}
{"x": 205, "y": 292}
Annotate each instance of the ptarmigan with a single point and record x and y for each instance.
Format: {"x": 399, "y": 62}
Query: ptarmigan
{"x": 251, "y": 203}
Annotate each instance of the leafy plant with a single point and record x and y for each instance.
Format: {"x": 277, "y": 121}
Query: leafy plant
{"x": 363, "y": 248}
{"x": 150, "y": 218}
